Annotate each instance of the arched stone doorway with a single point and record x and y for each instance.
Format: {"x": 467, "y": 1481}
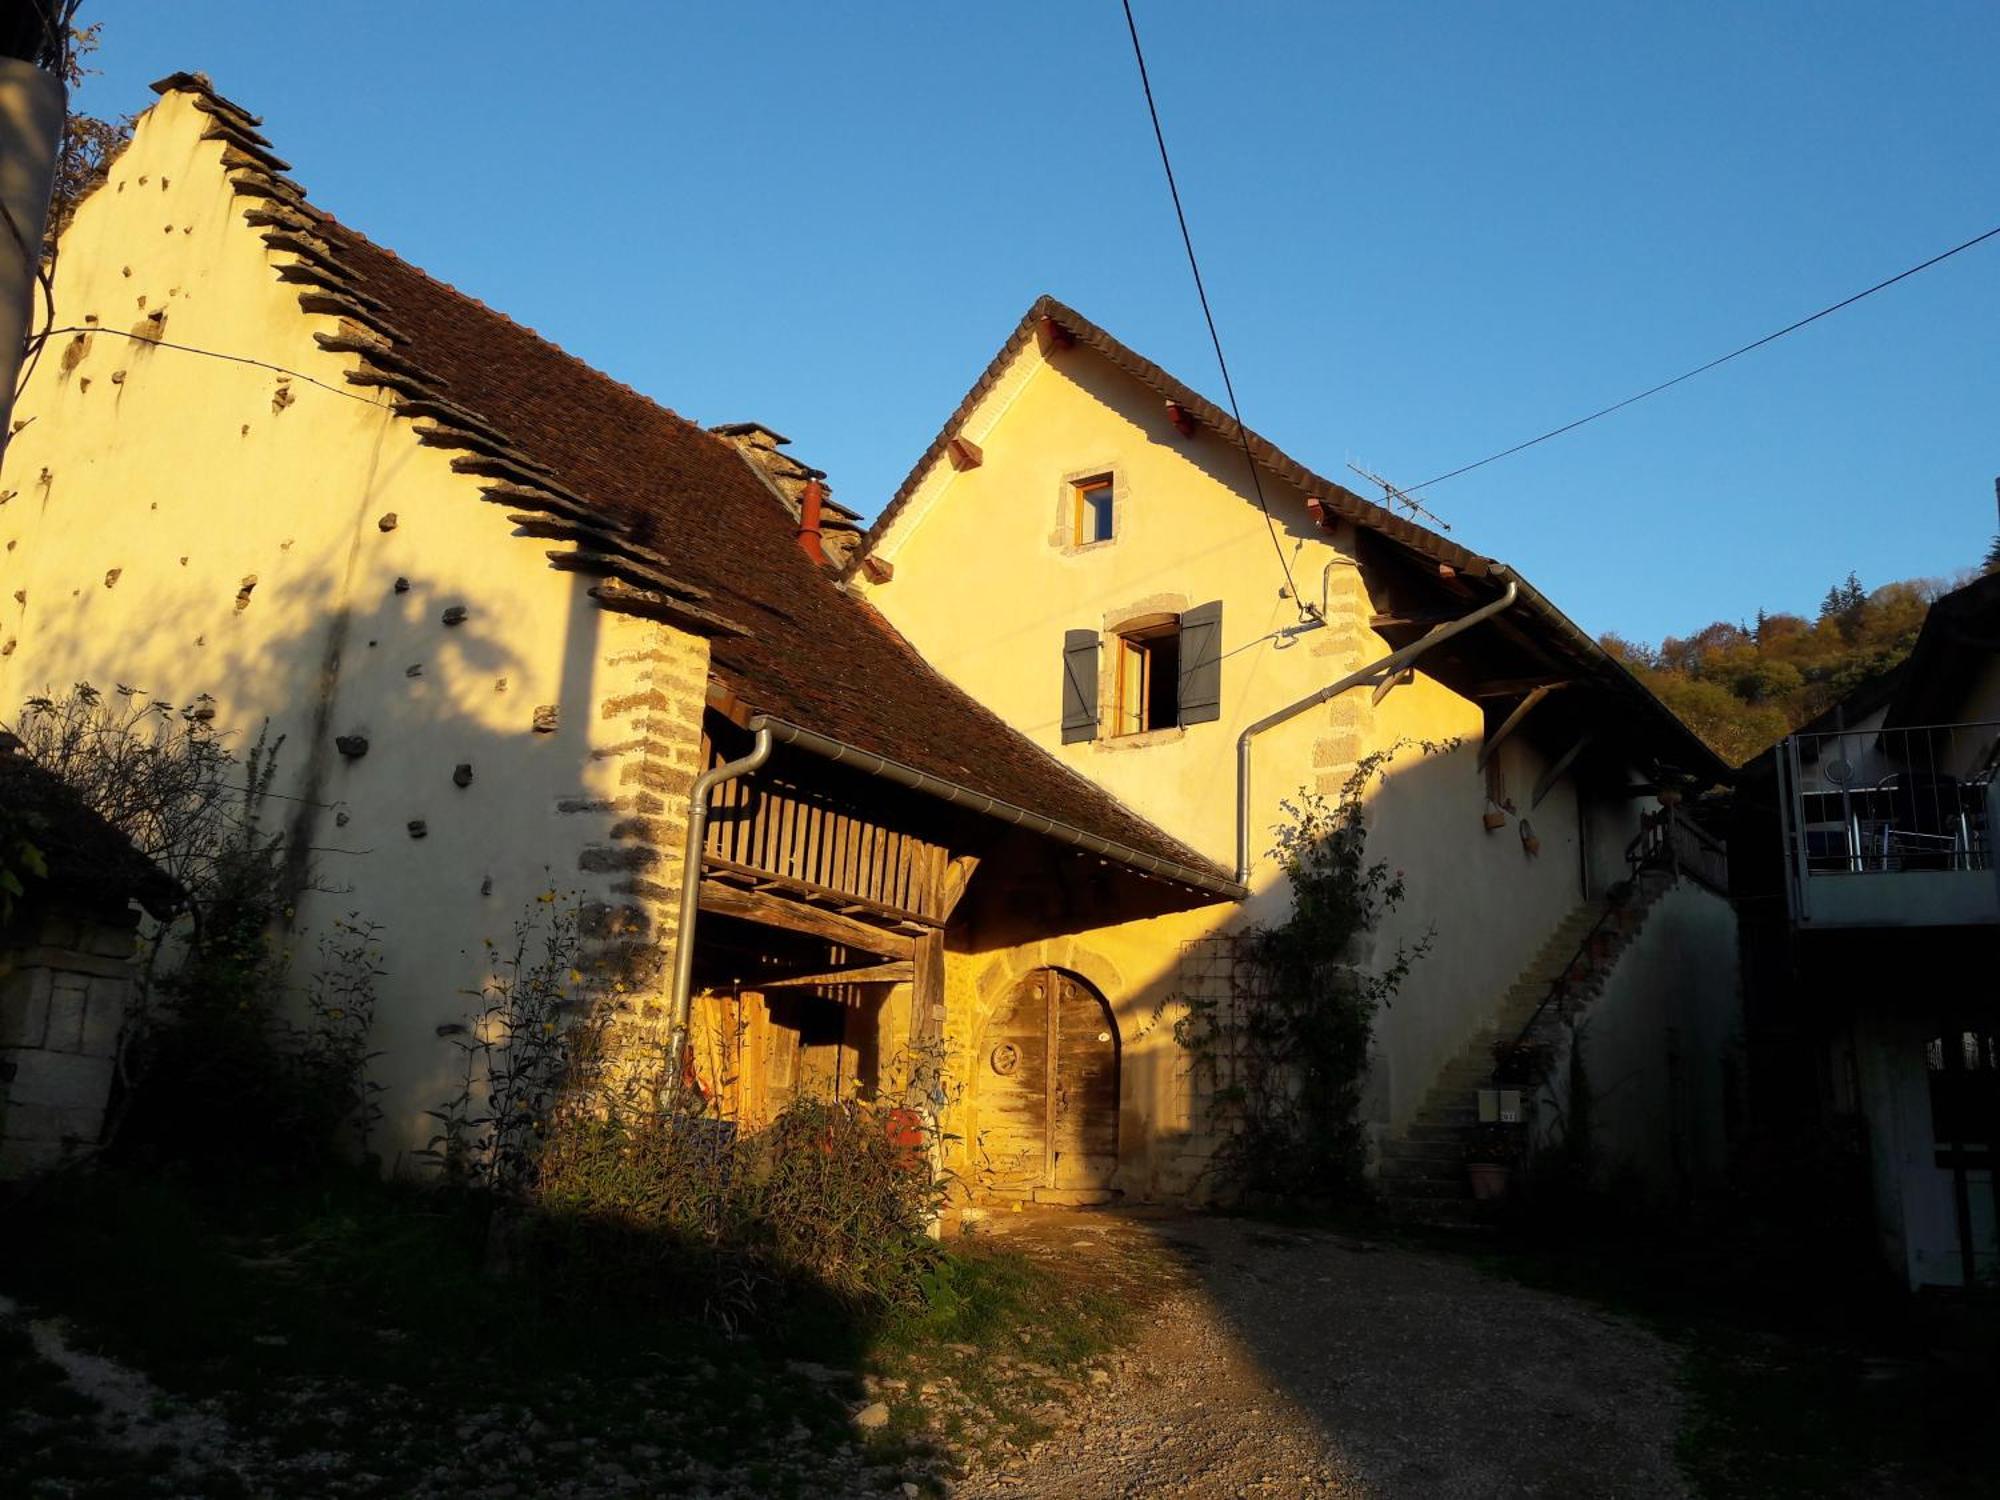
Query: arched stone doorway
{"x": 1048, "y": 1092}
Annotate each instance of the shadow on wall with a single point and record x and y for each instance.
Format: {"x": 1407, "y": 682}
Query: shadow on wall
{"x": 419, "y": 783}
{"x": 1486, "y": 898}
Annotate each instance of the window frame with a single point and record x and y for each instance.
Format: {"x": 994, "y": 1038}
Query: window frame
{"x": 1137, "y": 642}
{"x": 1083, "y": 505}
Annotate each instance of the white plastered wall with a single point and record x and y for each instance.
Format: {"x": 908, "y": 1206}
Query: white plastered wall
{"x": 151, "y": 485}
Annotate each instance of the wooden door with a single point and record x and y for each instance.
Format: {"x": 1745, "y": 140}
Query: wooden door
{"x": 1049, "y": 1094}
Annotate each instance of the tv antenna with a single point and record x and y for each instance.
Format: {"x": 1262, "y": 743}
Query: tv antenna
{"x": 1392, "y": 495}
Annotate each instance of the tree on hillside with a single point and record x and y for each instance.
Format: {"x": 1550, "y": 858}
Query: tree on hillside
{"x": 1741, "y": 687}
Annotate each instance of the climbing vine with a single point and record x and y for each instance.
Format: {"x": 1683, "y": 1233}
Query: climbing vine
{"x": 1284, "y": 1053}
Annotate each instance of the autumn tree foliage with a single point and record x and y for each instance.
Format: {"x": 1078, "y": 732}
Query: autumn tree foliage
{"x": 1743, "y": 686}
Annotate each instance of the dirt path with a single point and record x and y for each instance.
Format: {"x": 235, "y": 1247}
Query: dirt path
{"x": 1282, "y": 1362}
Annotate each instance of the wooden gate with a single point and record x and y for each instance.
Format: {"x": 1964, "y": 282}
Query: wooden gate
{"x": 1048, "y": 1092}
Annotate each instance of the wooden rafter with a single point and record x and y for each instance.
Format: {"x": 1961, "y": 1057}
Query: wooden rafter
{"x": 898, "y": 972}
{"x": 1513, "y": 687}
{"x": 1392, "y": 680}
{"x": 1562, "y": 763}
{"x": 957, "y": 876}
{"x": 818, "y": 895}
{"x": 1514, "y": 720}
{"x": 772, "y": 910}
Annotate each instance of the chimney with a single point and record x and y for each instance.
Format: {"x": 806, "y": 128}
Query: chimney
{"x": 809, "y": 534}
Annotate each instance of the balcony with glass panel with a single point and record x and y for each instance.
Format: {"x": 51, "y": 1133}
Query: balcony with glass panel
{"x": 1892, "y": 827}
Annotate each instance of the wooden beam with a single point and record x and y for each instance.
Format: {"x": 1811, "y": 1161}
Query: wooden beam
{"x": 808, "y": 890}
{"x": 1555, "y": 772}
{"x": 1513, "y": 687}
{"x": 1410, "y": 622}
{"x": 889, "y": 973}
{"x": 1513, "y": 721}
{"x": 1393, "y": 680}
{"x": 795, "y": 916}
{"x": 927, "y": 991}
{"x": 1055, "y": 336}
{"x": 964, "y": 453}
{"x": 1183, "y": 419}
{"x": 1448, "y": 576}
{"x": 957, "y": 876}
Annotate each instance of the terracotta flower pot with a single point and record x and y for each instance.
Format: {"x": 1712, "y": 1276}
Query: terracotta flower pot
{"x": 1488, "y": 1179}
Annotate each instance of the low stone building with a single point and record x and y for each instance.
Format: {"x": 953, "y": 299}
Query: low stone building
{"x": 66, "y": 973}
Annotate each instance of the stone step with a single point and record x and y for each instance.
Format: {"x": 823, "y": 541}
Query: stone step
{"x": 1405, "y": 1172}
{"x": 1456, "y": 1115}
{"x": 1442, "y": 1147}
{"x": 1422, "y": 1132}
{"x": 1428, "y": 1187}
{"x": 1444, "y": 1213}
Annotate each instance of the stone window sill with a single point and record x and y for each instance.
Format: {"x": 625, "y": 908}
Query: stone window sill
{"x": 1140, "y": 741}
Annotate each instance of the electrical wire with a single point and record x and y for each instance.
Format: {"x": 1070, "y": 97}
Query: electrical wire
{"x": 235, "y": 359}
{"x": 1201, "y": 291}
{"x": 1768, "y": 338}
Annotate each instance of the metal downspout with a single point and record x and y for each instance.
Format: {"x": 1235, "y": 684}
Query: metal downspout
{"x": 697, "y": 839}
{"x": 1394, "y": 662}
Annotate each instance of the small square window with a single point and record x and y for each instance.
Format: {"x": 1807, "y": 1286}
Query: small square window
{"x": 1092, "y": 515}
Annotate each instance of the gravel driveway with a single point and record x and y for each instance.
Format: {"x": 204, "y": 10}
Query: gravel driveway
{"x": 1285, "y": 1362}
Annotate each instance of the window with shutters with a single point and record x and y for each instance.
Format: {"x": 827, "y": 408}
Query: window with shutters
{"x": 1147, "y": 685}
{"x": 1162, "y": 672}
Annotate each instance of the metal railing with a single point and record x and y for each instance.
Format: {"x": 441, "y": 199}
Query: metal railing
{"x": 1665, "y": 841}
{"x": 1883, "y": 801}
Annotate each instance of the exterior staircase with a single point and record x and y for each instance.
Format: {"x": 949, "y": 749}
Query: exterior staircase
{"x": 1422, "y": 1176}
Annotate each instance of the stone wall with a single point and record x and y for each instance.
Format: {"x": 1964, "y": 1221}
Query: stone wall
{"x": 65, "y": 983}
{"x": 655, "y": 684}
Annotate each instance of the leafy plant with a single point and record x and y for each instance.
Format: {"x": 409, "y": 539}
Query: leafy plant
{"x": 213, "y": 1064}
{"x": 21, "y": 860}
{"x": 606, "y": 1172}
{"x": 532, "y": 1053}
{"x": 1286, "y": 1061}
{"x": 340, "y": 1007}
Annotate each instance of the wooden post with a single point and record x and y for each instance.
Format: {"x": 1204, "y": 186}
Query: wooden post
{"x": 927, "y": 989}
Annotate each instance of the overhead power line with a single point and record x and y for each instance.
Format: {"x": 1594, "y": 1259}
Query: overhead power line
{"x": 1208, "y": 316}
{"x": 1655, "y": 390}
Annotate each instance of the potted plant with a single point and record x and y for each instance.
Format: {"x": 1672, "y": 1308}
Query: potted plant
{"x": 1490, "y": 1154}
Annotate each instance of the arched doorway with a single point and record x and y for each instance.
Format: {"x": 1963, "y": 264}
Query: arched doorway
{"x": 1048, "y": 1092}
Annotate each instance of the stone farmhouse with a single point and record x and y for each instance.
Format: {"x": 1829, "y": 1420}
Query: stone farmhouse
{"x": 988, "y": 783}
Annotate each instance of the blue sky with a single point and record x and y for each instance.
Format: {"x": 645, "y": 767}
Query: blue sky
{"x": 1429, "y": 231}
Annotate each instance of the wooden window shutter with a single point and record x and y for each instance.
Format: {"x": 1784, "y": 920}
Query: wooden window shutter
{"x": 1201, "y": 664}
{"x": 1079, "y": 700}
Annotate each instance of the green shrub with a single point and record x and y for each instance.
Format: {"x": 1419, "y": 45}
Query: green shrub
{"x": 607, "y": 1179}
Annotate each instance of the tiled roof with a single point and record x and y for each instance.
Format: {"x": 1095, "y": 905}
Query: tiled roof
{"x": 802, "y": 648}
{"x": 89, "y": 862}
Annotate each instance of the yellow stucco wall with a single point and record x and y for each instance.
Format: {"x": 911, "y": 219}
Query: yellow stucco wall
{"x": 151, "y": 484}
{"x": 986, "y": 583}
